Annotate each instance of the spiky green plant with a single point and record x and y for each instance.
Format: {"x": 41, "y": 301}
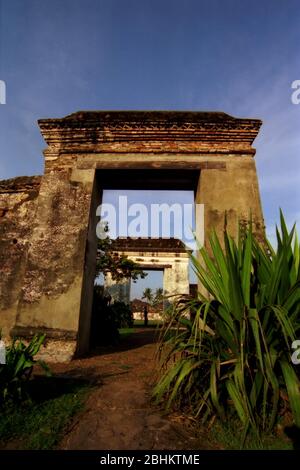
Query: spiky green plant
{"x": 15, "y": 373}
{"x": 232, "y": 353}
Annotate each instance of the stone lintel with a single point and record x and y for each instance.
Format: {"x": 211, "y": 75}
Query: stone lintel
{"x": 154, "y": 266}
{"x": 129, "y": 163}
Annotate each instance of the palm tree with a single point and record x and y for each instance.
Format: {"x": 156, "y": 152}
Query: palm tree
{"x": 148, "y": 295}
{"x": 158, "y": 296}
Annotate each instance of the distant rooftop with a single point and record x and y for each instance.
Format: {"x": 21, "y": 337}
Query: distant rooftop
{"x": 149, "y": 244}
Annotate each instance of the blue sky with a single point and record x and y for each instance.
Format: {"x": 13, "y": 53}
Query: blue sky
{"x": 235, "y": 56}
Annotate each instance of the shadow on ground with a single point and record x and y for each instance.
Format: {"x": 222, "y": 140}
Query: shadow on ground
{"x": 42, "y": 388}
{"x": 137, "y": 339}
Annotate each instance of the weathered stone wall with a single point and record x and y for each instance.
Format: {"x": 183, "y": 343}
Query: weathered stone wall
{"x": 18, "y": 198}
{"x": 52, "y": 288}
{"x": 233, "y": 191}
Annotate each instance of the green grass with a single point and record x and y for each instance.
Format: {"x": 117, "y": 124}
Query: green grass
{"x": 125, "y": 367}
{"x": 152, "y": 323}
{"x": 124, "y": 332}
{"x": 228, "y": 435}
{"x": 39, "y": 423}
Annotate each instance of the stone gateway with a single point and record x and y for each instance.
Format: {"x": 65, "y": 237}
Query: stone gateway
{"x": 48, "y": 240}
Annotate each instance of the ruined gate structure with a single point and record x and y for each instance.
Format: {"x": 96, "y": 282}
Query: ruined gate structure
{"x": 156, "y": 254}
{"x": 48, "y": 239}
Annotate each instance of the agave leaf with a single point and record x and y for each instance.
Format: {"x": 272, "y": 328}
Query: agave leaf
{"x": 246, "y": 268}
{"x": 214, "y": 374}
{"x": 238, "y": 401}
{"x": 235, "y": 289}
{"x": 186, "y": 367}
{"x": 256, "y": 389}
{"x": 165, "y": 383}
{"x": 293, "y": 389}
{"x": 256, "y": 329}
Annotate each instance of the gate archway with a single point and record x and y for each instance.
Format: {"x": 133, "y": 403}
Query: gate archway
{"x": 163, "y": 254}
{"x": 87, "y": 152}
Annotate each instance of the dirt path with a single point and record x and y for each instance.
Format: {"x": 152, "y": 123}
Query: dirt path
{"x": 118, "y": 413}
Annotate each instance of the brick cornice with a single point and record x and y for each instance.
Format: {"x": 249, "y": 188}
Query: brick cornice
{"x": 149, "y": 131}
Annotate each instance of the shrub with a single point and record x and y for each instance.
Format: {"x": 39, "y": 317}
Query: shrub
{"x": 122, "y": 314}
{"x": 14, "y": 375}
{"x": 107, "y": 319}
{"x": 104, "y": 328}
{"x": 232, "y": 357}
